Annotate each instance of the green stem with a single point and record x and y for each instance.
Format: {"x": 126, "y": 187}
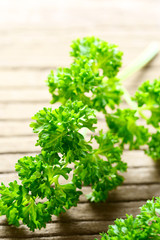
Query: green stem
{"x": 149, "y": 53}
{"x": 55, "y": 179}
{"x": 131, "y": 103}
{"x": 128, "y": 99}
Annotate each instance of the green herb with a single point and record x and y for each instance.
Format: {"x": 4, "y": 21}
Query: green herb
{"x": 123, "y": 123}
{"x": 91, "y": 84}
{"x": 84, "y": 81}
{"x": 93, "y": 78}
{"x": 143, "y": 226}
{"x": 154, "y": 146}
{"x": 148, "y": 98}
{"x": 40, "y": 194}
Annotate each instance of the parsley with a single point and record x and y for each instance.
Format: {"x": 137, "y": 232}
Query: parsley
{"x": 91, "y": 83}
{"x": 154, "y": 146}
{"x": 148, "y": 98}
{"x": 93, "y": 78}
{"x": 143, "y": 226}
{"x": 123, "y": 123}
{"x": 84, "y": 81}
{"x": 40, "y": 195}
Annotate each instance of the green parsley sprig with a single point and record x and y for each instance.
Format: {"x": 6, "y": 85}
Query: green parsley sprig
{"x": 94, "y": 79}
{"x": 143, "y": 226}
{"x": 40, "y": 193}
{"x": 90, "y": 84}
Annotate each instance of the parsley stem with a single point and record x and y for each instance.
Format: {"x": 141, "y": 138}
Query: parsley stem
{"x": 132, "y": 104}
{"x": 149, "y": 53}
{"x": 128, "y": 99}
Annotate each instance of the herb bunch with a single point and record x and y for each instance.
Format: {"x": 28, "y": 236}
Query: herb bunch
{"x": 93, "y": 79}
{"x": 143, "y": 226}
{"x": 41, "y": 194}
{"x": 51, "y": 182}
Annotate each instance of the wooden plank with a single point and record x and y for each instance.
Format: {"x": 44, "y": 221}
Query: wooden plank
{"x": 18, "y": 111}
{"x": 35, "y": 33}
{"x": 15, "y": 128}
{"x": 52, "y": 56}
{"x": 25, "y": 95}
{"x": 22, "y": 111}
{"x": 20, "y": 78}
{"x": 8, "y": 161}
{"x": 74, "y": 237}
{"x": 99, "y": 211}
{"x": 143, "y": 175}
{"x": 21, "y": 144}
{"x": 134, "y": 159}
{"x": 17, "y": 52}
{"x": 132, "y": 193}
{"x": 19, "y": 128}
{"x": 36, "y": 91}
{"x": 25, "y": 80}
{"x": 70, "y": 15}
{"x": 126, "y": 193}
{"x": 57, "y": 229}
{"x": 77, "y": 222}
{"x": 26, "y": 110}
{"x": 18, "y": 144}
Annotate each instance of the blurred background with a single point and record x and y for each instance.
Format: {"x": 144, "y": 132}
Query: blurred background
{"x": 35, "y": 35}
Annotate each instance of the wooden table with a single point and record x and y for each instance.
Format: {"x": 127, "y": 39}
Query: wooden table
{"x": 34, "y": 38}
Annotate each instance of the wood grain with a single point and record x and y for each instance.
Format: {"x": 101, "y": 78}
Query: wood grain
{"x": 134, "y": 159}
{"x": 33, "y": 85}
{"x": 132, "y": 176}
{"x": 73, "y": 237}
{"x": 35, "y": 38}
{"x": 57, "y": 229}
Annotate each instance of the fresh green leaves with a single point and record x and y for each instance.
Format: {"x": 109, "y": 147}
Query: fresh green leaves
{"x": 154, "y": 146}
{"x": 148, "y": 101}
{"x": 148, "y": 98}
{"x": 143, "y": 226}
{"x": 91, "y": 77}
{"x": 41, "y": 194}
{"x": 90, "y": 84}
{"x": 123, "y": 123}
{"x": 58, "y": 129}
{"x": 104, "y": 55}
{"x": 74, "y": 82}
{"x": 101, "y": 173}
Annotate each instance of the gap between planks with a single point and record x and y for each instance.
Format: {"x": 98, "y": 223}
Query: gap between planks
{"x": 90, "y": 211}
{"x": 24, "y": 144}
{"x": 134, "y": 159}
{"x": 133, "y": 176}
{"x": 73, "y": 237}
{"x": 57, "y": 229}
{"x": 25, "y": 111}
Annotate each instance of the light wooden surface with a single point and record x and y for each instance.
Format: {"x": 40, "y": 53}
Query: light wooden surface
{"x": 34, "y": 38}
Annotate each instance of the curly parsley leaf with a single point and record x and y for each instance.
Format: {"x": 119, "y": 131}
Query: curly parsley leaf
{"x": 154, "y": 146}
{"x": 101, "y": 173}
{"x": 148, "y": 98}
{"x": 143, "y": 226}
{"x": 84, "y": 80}
{"x": 123, "y": 123}
{"x": 58, "y": 129}
{"x": 105, "y": 56}
{"x": 40, "y": 194}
